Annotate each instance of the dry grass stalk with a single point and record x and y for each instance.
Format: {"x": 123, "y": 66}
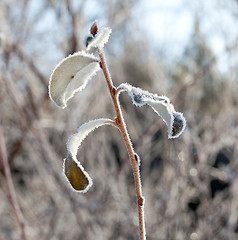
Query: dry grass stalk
{"x": 10, "y": 186}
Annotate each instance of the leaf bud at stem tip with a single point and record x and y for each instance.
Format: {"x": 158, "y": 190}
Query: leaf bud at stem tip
{"x": 94, "y": 29}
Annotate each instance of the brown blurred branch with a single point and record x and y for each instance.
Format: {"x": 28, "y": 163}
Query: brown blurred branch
{"x": 30, "y": 63}
{"x": 73, "y": 43}
{"x": 10, "y": 186}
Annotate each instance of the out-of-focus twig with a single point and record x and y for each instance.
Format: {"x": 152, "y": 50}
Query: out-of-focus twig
{"x": 73, "y": 43}
{"x": 10, "y": 186}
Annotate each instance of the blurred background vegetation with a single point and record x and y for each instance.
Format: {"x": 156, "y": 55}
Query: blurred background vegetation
{"x": 190, "y": 184}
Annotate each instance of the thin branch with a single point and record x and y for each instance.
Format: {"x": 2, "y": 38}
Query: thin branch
{"x": 73, "y": 43}
{"x": 133, "y": 156}
{"x": 10, "y": 186}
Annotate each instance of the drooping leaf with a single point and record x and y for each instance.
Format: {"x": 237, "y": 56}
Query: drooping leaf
{"x": 100, "y": 39}
{"x": 73, "y": 170}
{"x": 161, "y": 105}
{"x": 71, "y": 75}
{"x": 76, "y": 175}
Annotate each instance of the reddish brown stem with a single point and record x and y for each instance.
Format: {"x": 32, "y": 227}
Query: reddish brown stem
{"x": 122, "y": 127}
{"x": 10, "y": 186}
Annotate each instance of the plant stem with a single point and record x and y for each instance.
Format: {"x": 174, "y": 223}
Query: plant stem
{"x": 10, "y": 186}
{"x": 133, "y": 156}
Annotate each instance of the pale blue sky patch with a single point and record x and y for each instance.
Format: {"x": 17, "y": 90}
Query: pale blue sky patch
{"x": 169, "y": 25}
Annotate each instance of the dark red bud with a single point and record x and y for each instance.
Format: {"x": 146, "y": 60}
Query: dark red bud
{"x": 141, "y": 201}
{"x": 94, "y": 29}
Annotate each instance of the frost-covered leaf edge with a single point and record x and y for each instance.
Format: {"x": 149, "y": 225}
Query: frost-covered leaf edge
{"x": 87, "y": 127}
{"x": 100, "y": 39}
{"x": 82, "y": 54}
{"x": 153, "y": 100}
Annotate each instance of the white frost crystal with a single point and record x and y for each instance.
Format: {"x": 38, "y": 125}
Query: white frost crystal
{"x": 71, "y": 75}
{"x": 161, "y": 105}
{"x": 73, "y": 170}
{"x": 100, "y": 39}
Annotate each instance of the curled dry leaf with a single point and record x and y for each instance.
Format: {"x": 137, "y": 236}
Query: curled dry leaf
{"x": 76, "y": 175}
{"x": 71, "y": 75}
{"x": 100, "y": 39}
{"x": 73, "y": 170}
{"x": 161, "y": 105}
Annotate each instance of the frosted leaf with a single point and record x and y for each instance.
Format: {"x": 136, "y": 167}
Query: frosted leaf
{"x": 100, "y": 39}
{"x": 76, "y": 175}
{"x": 179, "y": 124}
{"x": 161, "y": 105}
{"x": 73, "y": 170}
{"x": 71, "y": 75}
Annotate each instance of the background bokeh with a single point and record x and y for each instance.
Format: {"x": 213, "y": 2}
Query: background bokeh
{"x": 186, "y": 50}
